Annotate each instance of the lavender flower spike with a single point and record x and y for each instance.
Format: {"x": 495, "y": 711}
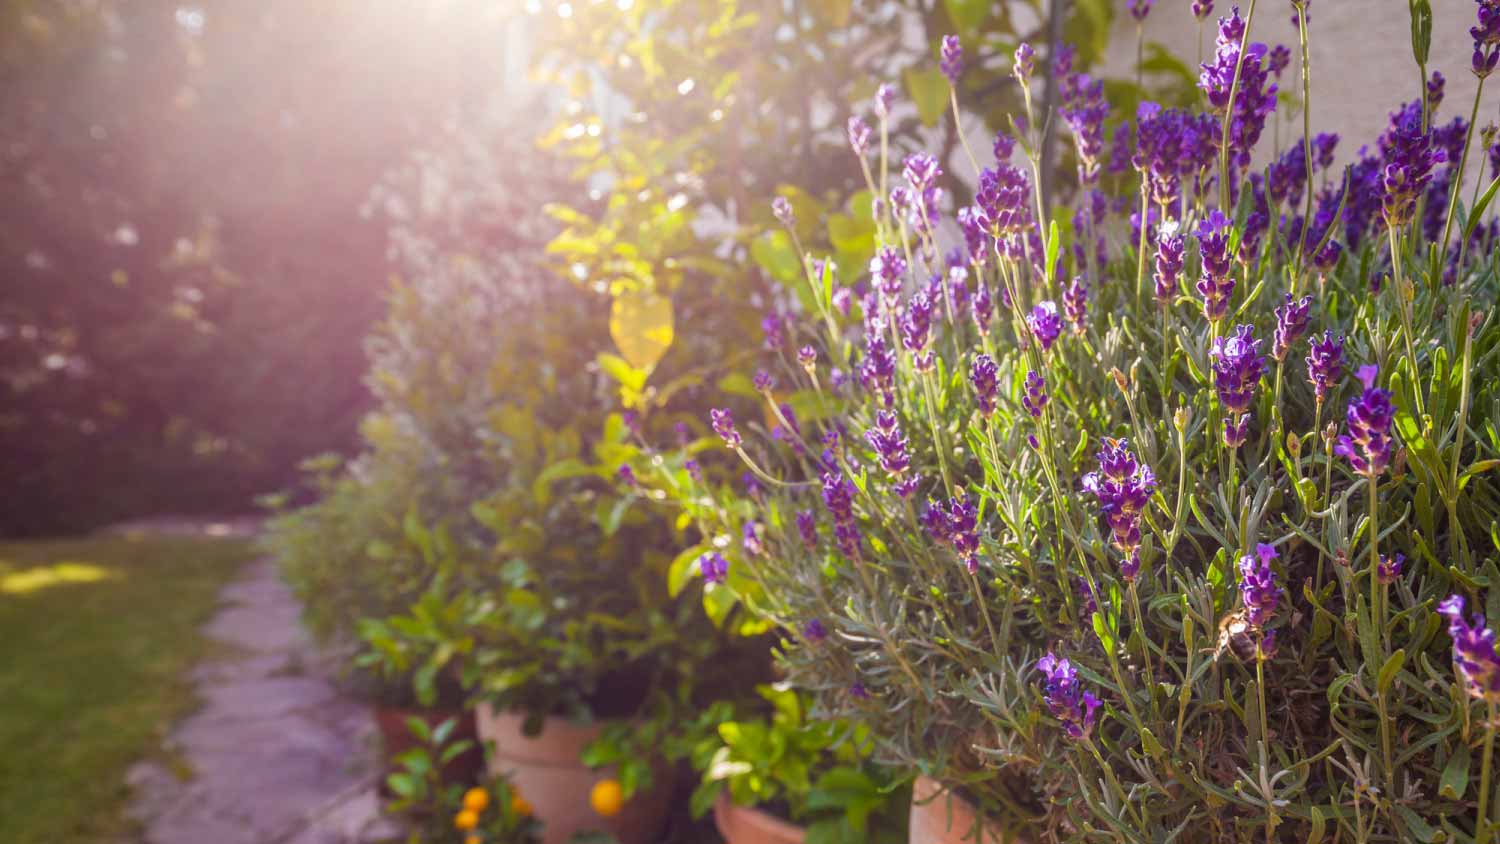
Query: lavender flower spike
{"x": 781, "y": 208}
{"x": 1139, "y": 9}
{"x": 984, "y": 378}
{"x": 952, "y": 59}
{"x": 1025, "y": 64}
{"x": 1258, "y": 586}
{"x": 1368, "y": 443}
{"x": 1045, "y": 323}
{"x": 1291, "y": 324}
{"x": 1325, "y": 360}
{"x": 1473, "y": 650}
{"x": 889, "y": 443}
{"x": 1035, "y": 398}
{"x": 1068, "y": 701}
{"x": 723, "y": 424}
{"x": 1202, "y": 9}
{"x": 713, "y": 567}
{"x": 1169, "y": 249}
{"x": 1238, "y": 368}
{"x": 1123, "y": 487}
{"x": 1076, "y": 305}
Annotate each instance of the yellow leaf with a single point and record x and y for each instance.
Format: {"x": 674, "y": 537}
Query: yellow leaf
{"x": 640, "y": 322}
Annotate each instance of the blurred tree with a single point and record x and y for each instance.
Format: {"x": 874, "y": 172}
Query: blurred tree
{"x": 186, "y": 271}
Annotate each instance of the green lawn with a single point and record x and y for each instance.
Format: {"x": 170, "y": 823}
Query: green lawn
{"x": 95, "y": 638}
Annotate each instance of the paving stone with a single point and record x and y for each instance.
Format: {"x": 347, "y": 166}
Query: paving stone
{"x": 277, "y": 754}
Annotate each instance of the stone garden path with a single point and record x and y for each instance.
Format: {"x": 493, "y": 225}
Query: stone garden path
{"x": 275, "y": 754}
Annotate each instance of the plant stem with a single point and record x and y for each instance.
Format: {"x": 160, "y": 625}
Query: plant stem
{"x": 1306, "y": 137}
{"x": 1458, "y": 177}
{"x": 1403, "y": 307}
{"x": 1234, "y": 88}
{"x": 1140, "y": 266}
{"x": 1486, "y": 800}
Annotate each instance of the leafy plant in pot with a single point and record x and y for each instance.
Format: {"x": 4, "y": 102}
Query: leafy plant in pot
{"x": 779, "y": 777}
{"x": 1170, "y": 536}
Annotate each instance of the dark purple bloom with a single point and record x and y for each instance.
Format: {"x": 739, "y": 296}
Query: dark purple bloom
{"x": 1083, "y": 111}
{"x": 1123, "y": 487}
{"x": 1202, "y": 9}
{"x": 1237, "y": 370}
{"x": 723, "y": 424}
{"x": 842, "y": 299}
{"x": 1169, "y": 249}
{"x": 762, "y": 381}
{"x": 1324, "y": 144}
{"x": 807, "y": 528}
{"x": 859, "y": 136}
{"x": 921, "y": 171}
{"x": 1002, "y": 202}
{"x": 771, "y": 326}
{"x": 1045, "y": 323}
{"x": 1409, "y": 155}
{"x": 1172, "y": 145}
{"x": 753, "y": 488}
{"x": 1035, "y": 398}
{"x": 1062, "y": 60}
{"x": 889, "y": 443}
{"x": 858, "y": 691}
{"x": 952, "y": 59}
{"x": 808, "y": 357}
{"x": 963, "y": 530}
{"x": 1258, "y": 587}
{"x": 1130, "y": 567}
{"x": 694, "y": 470}
{"x": 1086, "y": 596}
{"x": 713, "y": 567}
{"x": 1389, "y": 570}
{"x": 813, "y": 631}
{"x": 838, "y": 497}
{"x": 1287, "y": 175}
{"x": 1076, "y": 304}
{"x": 684, "y": 435}
{"x": 1254, "y": 95}
{"x": 1473, "y": 650}
{"x": 983, "y": 309}
{"x": 626, "y": 475}
{"x": 907, "y": 485}
{"x": 885, "y": 95}
{"x": 888, "y": 272}
{"x": 1325, "y": 359}
{"x": 1368, "y": 442}
{"x": 1139, "y": 9}
{"x": 1216, "y": 286}
{"x": 1024, "y": 66}
{"x": 1435, "y": 87}
{"x": 1066, "y": 699}
{"x": 1279, "y": 58}
{"x": 1004, "y": 145}
{"x": 1291, "y": 324}
{"x": 878, "y": 371}
{"x": 984, "y": 378}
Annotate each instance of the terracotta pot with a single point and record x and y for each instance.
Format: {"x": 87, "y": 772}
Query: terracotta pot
{"x": 396, "y": 738}
{"x": 747, "y": 825}
{"x": 546, "y": 770}
{"x": 938, "y": 816}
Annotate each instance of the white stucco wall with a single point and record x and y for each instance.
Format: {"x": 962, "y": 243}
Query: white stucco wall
{"x": 1362, "y": 65}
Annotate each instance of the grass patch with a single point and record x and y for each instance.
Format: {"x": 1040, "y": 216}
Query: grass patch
{"x": 95, "y": 637}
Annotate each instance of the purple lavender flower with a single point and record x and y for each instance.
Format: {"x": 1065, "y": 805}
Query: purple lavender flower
{"x": 984, "y": 378}
{"x": 1123, "y": 487}
{"x": 813, "y": 631}
{"x": 1473, "y": 650}
{"x": 1003, "y": 147}
{"x": 1258, "y": 587}
{"x": 1389, "y": 570}
{"x": 1409, "y": 155}
{"x": 1035, "y": 398}
{"x": 921, "y": 171}
{"x": 1045, "y": 323}
{"x": 694, "y": 470}
{"x": 751, "y": 538}
{"x": 782, "y": 210}
{"x": 889, "y": 443}
{"x": 1130, "y": 567}
{"x": 952, "y": 59}
{"x": 1172, "y": 145}
{"x": 1139, "y": 9}
{"x": 713, "y": 567}
{"x": 684, "y": 434}
{"x": 627, "y": 475}
{"x": 859, "y": 136}
{"x": 1254, "y": 95}
{"x": 1325, "y": 361}
{"x": 1368, "y": 443}
{"x": 916, "y": 322}
{"x": 858, "y": 691}
{"x": 885, "y": 95}
{"x": 723, "y": 424}
{"x": 1238, "y": 367}
{"x": 1324, "y": 144}
{"x": 838, "y": 497}
{"x": 1287, "y": 175}
{"x": 771, "y": 326}
{"x": 888, "y": 269}
{"x": 1076, "y": 304}
{"x": 1280, "y": 57}
{"x": 1066, "y": 699}
{"x": 1291, "y": 324}
{"x": 842, "y": 299}
{"x": 762, "y": 381}
{"x": 807, "y": 528}
{"x": 1024, "y": 66}
{"x": 808, "y": 357}
{"x": 1062, "y": 60}
{"x": 1083, "y": 111}
{"x": 906, "y": 486}
{"x": 983, "y": 309}
{"x": 1202, "y": 9}
{"x": 753, "y": 488}
{"x": 1169, "y": 251}
{"x": 1216, "y": 286}
{"x": 963, "y": 530}
{"x": 1435, "y": 86}
{"x": 878, "y": 370}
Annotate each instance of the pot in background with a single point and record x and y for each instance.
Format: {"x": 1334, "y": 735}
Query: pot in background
{"x": 938, "y": 816}
{"x": 749, "y": 825}
{"x": 397, "y": 738}
{"x": 546, "y": 770}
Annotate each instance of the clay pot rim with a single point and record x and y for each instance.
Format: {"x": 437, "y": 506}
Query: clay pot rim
{"x": 757, "y": 817}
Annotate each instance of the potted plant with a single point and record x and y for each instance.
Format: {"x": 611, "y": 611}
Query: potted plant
{"x": 778, "y": 777}
{"x": 1155, "y": 533}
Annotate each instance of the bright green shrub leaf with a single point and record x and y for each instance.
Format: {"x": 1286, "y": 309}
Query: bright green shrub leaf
{"x": 640, "y": 323}
{"x": 682, "y": 568}
{"x": 1455, "y": 781}
{"x": 928, "y": 89}
{"x": 967, "y": 15}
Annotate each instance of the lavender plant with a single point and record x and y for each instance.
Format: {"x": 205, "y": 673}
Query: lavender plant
{"x": 1147, "y": 564}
